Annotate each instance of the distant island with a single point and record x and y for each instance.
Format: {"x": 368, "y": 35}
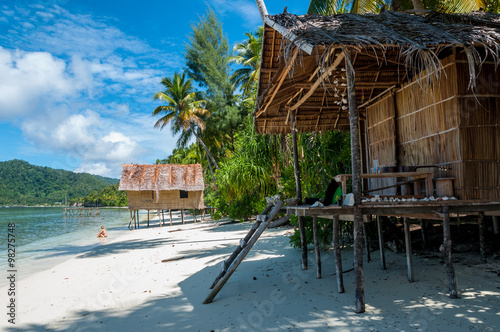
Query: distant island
{"x": 24, "y": 184}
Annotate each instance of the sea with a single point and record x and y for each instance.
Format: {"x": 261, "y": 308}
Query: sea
{"x": 45, "y": 237}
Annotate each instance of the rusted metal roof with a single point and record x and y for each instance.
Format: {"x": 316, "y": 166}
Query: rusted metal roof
{"x": 161, "y": 177}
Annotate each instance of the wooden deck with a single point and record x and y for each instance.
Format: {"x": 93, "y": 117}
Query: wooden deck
{"x": 419, "y": 209}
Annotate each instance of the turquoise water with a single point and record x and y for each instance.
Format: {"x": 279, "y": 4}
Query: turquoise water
{"x": 44, "y": 237}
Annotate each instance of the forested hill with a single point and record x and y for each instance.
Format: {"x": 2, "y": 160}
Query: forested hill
{"x": 24, "y": 184}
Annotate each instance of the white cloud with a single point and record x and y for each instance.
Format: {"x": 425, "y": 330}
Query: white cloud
{"x": 246, "y": 9}
{"x": 31, "y": 79}
{"x": 87, "y": 136}
{"x": 87, "y": 94}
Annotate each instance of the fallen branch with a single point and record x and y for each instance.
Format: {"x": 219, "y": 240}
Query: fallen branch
{"x": 172, "y": 259}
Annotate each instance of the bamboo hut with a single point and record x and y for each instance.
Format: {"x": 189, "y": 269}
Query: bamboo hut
{"x": 413, "y": 90}
{"x": 162, "y": 186}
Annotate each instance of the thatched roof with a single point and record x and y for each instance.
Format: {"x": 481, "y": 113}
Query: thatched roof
{"x": 162, "y": 177}
{"x": 304, "y": 59}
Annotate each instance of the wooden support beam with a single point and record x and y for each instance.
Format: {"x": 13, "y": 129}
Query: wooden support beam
{"x": 367, "y": 241}
{"x": 316, "y": 247}
{"x": 170, "y": 212}
{"x": 148, "y": 218}
{"x": 409, "y": 254}
{"x": 481, "y": 237}
{"x": 280, "y": 81}
{"x": 423, "y": 230}
{"x": 381, "y": 242}
{"x": 336, "y": 252}
{"x": 356, "y": 186}
{"x": 182, "y": 216}
{"x": 320, "y": 80}
{"x": 445, "y": 249}
{"x": 244, "y": 252}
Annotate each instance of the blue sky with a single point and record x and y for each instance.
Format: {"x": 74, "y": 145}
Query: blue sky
{"x": 77, "y": 76}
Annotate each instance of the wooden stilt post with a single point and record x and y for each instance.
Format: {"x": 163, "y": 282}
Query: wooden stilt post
{"x": 298, "y": 188}
{"x": 170, "y": 212}
{"x": 162, "y": 218}
{"x": 182, "y": 216}
{"x": 481, "y": 237}
{"x": 409, "y": 254}
{"x": 381, "y": 243}
{"x": 303, "y": 243}
{"x": 137, "y": 212}
{"x": 423, "y": 229}
{"x": 148, "y": 218}
{"x": 336, "y": 251}
{"x": 367, "y": 241}
{"x": 130, "y": 226}
{"x": 356, "y": 185}
{"x": 316, "y": 247}
{"x": 445, "y": 249}
{"x": 244, "y": 252}
{"x": 496, "y": 225}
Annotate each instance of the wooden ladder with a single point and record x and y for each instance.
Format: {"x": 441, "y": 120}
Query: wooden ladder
{"x": 246, "y": 244}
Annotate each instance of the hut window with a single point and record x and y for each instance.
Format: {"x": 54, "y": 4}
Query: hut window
{"x": 184, "y": 194}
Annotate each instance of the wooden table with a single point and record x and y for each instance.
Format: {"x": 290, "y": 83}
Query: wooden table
{"x": 427, "y": 176}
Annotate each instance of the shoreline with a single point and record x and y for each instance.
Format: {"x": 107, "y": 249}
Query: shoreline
{"x": 124, "y": 285}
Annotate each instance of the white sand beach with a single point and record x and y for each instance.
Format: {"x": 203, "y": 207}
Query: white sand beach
{"x": 124, "y": 286}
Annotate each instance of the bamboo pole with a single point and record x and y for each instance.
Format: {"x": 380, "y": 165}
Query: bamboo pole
{"x": 162, "y": 218}
{"x": 182, "y": 216}
{"x": 170, "y": 212}
{"x": 243, "y": 253}
{"x": 356, "y": 186}
{"x": 148, "y": 218}
{"x": 481, "y": 237}
{"x": 409, "y": 254}
{"x": 316, "y": 247}
{"x": 381, "y": 243}
{"x": 336, "y": 250}
{"x": 445, "y": 249}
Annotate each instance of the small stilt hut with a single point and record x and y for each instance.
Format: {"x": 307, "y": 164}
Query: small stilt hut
{"x": 413, "y": 90}
{"x": 162, "y": 186}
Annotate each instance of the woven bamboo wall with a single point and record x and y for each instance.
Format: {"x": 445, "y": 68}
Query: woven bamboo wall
{"x": 445, "y": 124}
{"x": 381, "y": 141}
{"x": 146, "y": 200}
{"x": 479, "y": 132}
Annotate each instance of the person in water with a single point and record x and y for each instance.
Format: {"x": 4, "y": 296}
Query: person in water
{"x": 103, "y": 232}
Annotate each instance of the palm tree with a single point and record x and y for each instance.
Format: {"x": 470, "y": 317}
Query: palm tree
{"x": 184, "y": 110}
{"x": 327, "y": 7}
{"x": 248, "y": 55}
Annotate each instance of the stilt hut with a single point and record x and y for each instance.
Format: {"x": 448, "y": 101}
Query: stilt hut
{"x": 417, "y": 92}
{"x": 162, "y": 186}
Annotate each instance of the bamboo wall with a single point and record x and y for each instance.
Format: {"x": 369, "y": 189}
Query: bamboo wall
{"x": 381, "y": 130}
{"x": 146, "y": 200}
{"x": 443, "y": 124}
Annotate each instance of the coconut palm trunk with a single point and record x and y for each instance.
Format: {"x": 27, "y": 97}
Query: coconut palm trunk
{"x": 262, "y": 9}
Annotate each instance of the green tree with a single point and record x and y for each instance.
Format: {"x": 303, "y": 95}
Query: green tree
{"x": 207, "y": 59}
{"x": 328, "y": 7}
{"x": 184, "y": 110}
{"x": 247, "y": 55}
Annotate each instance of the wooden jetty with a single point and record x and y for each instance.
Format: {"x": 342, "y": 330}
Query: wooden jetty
{"x": 81, "y": 211}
